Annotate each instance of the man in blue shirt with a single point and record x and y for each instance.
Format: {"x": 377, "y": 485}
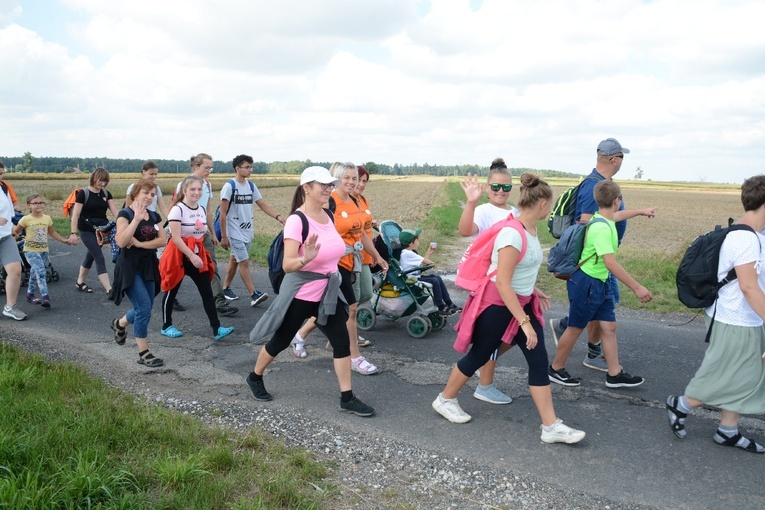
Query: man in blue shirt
{"x": 609, "y": 161}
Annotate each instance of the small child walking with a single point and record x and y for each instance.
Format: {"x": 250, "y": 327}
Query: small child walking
{"x": 39, "y": 227}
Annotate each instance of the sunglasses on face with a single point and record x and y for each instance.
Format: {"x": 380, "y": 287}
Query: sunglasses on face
{"x": 504, "y": 187}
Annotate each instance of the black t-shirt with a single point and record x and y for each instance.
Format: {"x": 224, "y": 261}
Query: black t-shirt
{"x": 93, "y": 210}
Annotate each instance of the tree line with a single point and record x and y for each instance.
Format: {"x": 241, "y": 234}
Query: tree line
{"x": 29, "y": 164}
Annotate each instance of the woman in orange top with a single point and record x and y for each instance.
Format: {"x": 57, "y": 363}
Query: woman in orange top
{"x": 349, "y": 223}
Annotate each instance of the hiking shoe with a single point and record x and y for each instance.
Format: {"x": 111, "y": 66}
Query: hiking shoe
{"x": 450, "y": 409}
{"x": 178, "y": 307}
{"x": 45, "y": 302}
{"x": 491, "y": 394}
{"x": 362, "y": 366}
{"x": 14, "y": 313}
{"x": 598, "y": 363}
{"x": 560, "y": 433}
{"x": 229, "y": 294}
{"x": 558, "y": 326}
{"x": 356, "y": 407}
{"x": 223, "y": 332}
{"x": 258, "y": 389}
{"x": 32, "y": 299}
{"x": 226, "y": 310}
{"x": 623, "y": 380}
{"x": 258, "y": 297}
{"x": 562, "y": 377}
{"x": 171, "y": 332}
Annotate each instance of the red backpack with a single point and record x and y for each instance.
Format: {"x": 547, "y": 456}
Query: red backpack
{"x": 474, "y": 264}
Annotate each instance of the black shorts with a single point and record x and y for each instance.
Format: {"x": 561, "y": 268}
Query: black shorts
{"x": 346, "y": 285}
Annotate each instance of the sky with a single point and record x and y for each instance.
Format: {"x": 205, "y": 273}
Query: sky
{"x": 681, "y": 83}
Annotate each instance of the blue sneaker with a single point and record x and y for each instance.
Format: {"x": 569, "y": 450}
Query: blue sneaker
{"x": 229, "y": 294}
{"x": 257, "y": 298}
{"x": 223, "y": 332}
{"x": 491, "y": 394}
{"x": 171, "y": 332}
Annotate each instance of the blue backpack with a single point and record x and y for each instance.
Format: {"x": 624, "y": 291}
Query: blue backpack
{"x": 276, "y": 251}
{"x": 216, "y": 218}
{"x": 563, "y": 259}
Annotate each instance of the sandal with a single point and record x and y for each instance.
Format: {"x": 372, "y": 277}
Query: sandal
{"x": 363, "y": 342}
{"x": 119, "y": 332}
{"x": 83, "y": 287}
{"x": 676, "y": 417}
{"x": 298, "y": 349}
{"x": 149, "y": 360}
{"x": 724, "y": 440}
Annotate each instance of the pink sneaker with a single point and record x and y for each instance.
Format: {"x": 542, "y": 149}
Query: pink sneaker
{"x": 362, "y": 366}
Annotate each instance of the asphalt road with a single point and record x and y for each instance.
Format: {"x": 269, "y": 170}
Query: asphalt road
{"x": 629, "y": 456}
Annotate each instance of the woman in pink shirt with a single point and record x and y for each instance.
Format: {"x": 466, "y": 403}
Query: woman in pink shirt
{"x": 310, "y": 289}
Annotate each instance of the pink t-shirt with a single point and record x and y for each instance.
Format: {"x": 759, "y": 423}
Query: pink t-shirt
{"x": 332, "y": 248}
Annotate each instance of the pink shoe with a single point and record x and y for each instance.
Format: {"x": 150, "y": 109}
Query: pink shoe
{"x": 298, "y": 349}
{"x": 362, "y": 366}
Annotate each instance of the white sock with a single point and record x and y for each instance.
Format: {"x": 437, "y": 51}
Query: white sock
{"x": 298, "y": 339}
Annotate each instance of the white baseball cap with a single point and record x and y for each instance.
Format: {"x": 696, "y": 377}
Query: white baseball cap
{"x": 318, "y": 174}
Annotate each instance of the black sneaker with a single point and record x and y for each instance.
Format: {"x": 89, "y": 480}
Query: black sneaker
{"x": 562, "y": 377}
{"x": 623, "y": 380}
{"x": 178, "y": 307}
{"x": 258, "y": 389}
{"x": 227, "y": 310}
{"x": 356, "y": 407}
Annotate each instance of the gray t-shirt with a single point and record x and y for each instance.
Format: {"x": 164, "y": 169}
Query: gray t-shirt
{"x": 239, "y": 217}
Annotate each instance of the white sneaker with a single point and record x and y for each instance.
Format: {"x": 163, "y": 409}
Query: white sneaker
{"x": 362, "y": 366}
{"x": 14, "y": 313}
{"x": 450, "y": 409}
{"x": 561, "y": 433}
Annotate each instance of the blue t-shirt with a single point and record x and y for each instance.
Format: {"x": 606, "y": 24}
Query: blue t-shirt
{"x": 585, "y": 202}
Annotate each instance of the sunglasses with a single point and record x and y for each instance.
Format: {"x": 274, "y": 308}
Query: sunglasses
{"x": 504, "y": 187}
{"x": 620, "y": 156}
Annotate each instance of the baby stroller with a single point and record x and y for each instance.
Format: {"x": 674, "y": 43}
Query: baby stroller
{"x": 398, "y": 294}
{"x": 51, "y": 275}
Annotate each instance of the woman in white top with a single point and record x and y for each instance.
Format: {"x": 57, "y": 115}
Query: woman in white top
{"x": 732, "y": 374}
{"x": 509, "y": 310}
{"x": 475, "y": 220}
{"x": 150, "y": 171}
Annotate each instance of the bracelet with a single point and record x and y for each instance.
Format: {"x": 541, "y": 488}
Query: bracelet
{"x": 277, "y": 217}
{"x": 524, "y": 321}
{"x": 73, "y": 234}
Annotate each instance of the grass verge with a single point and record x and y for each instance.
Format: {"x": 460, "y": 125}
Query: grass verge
{"x": 69, "y": 441}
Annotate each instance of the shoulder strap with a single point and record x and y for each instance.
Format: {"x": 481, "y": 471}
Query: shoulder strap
{"x": 304, "y": 221}
{"x": 4, "y": 186}
{"x": 332, "y": 205}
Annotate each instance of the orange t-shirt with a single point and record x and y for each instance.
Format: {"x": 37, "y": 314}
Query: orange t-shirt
{"x": 349, "y": 223}
{"x": 366, "y": 258}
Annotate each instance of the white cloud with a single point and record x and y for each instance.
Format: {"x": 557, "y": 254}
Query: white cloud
{"x": 539, "y": 83}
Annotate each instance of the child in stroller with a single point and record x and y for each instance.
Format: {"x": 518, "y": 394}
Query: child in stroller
{"x": 398, "y": 294}
{"x": 410, "y": 259}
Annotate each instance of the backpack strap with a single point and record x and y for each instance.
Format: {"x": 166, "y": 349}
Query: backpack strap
{"x": 586, "y": 227}
{"x": 304, "y": 221}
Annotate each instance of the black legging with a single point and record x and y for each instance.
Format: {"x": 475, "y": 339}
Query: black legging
{"x": 335, "y": 330}
{"x": 487, "y": 337}
{"x": 202, "y": 281}
{"x": 94, "y": 252}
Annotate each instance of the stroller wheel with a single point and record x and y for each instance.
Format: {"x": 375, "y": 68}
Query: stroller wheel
{"x": 437, "y": 321}
{"x": 418, "y": 326}
{"x": 54, "y": 276}
{"x": 365, "y": 318}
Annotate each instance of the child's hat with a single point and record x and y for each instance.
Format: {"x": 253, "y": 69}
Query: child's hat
{"x": 408, "y": 235}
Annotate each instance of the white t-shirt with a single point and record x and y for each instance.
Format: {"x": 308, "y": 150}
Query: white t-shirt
{"x": 193, "y": 221}
{"x": 525, "y": 275}
{"x": 739, "y": 248}
{"x": 410, "y": 260}
{"x": 153, "y": 205}
{"x": 239, "y": 217}
{"x": 488, "y": 214}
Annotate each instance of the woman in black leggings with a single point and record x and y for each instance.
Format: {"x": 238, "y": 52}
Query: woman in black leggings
{"x": 508, "y": 308}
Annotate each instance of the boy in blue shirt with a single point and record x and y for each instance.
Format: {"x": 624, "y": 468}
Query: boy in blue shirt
{"x": 591, "y": 297}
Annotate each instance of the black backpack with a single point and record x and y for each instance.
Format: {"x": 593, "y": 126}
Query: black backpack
{"x": 276, "y": 251}
{"x": 696, "y": 280}
{"x": 562, "y": 214}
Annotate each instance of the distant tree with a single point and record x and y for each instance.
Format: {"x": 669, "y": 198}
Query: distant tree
{"x": 28, "y": 162}
{"x": 371, "y": 167}
{"x": 638, "y": 173}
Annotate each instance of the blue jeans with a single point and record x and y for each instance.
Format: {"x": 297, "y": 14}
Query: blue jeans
{"x": 141, "y": 296}
{"x": 37, "y": 274}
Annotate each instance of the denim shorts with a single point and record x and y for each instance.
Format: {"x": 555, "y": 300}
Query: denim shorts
{"x": 239, "y": 250}
{"x": 589, "y": 300}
